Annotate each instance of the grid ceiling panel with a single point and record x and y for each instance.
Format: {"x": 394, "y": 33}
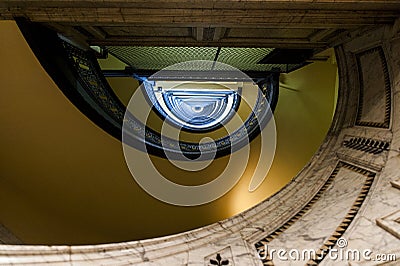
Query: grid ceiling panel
{"x": 157, "y": 58}
{"x": 244, "y": 58}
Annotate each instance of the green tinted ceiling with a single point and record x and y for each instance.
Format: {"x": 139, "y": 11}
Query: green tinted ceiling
{"x": 157, "y": 58}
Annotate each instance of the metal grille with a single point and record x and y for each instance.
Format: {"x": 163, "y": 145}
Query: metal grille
{"x": 157, "y": 58}
{"x": 245, "y": 58}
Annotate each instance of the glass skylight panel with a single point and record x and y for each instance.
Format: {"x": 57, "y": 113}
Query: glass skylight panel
{"x": 195, "y": 106}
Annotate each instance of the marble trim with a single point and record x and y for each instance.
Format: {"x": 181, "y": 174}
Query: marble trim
{"x": 391, "y": 223}
{"x": 348, "y": 219}
{"x": 260, "y": 244}
{"x": 225, "y": 256}
{"x": 386, "y": 123}
{"x": 395, "y": 184}
{"x": 369, "y": 145}
{"x": 363, "y": 262}
{"x": 343, "y": 225}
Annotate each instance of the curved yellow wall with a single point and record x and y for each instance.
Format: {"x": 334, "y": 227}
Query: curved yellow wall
{"x": 64, "y": 181}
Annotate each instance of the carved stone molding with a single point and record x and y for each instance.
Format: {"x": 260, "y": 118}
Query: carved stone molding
{"x": 222, "y": 257}
{"x": 260, "y": 244}
{"x": 345, "y": 223}
{"x": 347, "y": 220}
{"x": 391, "y": 223}
{"x": 396, "y": 184}
{"x": 366, "y": 145}
{"x": 375, "y": 89}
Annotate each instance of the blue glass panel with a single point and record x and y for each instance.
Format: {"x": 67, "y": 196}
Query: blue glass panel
{"x": 195, "y": 109}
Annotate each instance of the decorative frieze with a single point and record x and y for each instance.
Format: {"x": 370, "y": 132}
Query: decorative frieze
{"x": 366, "y": 145}
{"x": 374, "y": 103}
{"x": 396, "y": 184}
{"x": 260, "y": 246}
{"x": 338, "y": 233}
{"x": 222, "y": 257}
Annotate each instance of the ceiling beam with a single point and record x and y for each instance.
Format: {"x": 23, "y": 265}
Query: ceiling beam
{"x": 207, "y": 22}
{"x": 204, "y": 17}
{"x": 96, "y": 32}
{"x": 225, "y": 42}
{"x": 219, "y": 33}
{"x": 198, "y": 33}
{"x": 320, "y": 34}
{"x": 216, "y": 4}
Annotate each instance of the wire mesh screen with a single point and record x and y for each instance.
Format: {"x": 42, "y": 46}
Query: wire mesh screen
{"x": 157, "y": 58}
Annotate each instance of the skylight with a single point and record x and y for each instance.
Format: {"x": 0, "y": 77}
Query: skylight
{"x": 195, "y": 106}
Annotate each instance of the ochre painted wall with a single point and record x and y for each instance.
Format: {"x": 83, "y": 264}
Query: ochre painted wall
{"x": 63, "y": 180}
